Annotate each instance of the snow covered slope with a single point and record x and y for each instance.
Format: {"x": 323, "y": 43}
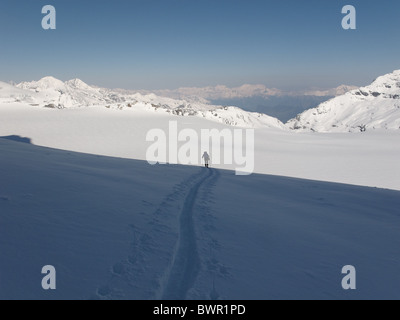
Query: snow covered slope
{"x": 53, "y": 93}
{"x": 376, "y": 106}
{"x": 122, "y": 229}
{"x": 12, "y": 94}
{"x": 370, "y": 159}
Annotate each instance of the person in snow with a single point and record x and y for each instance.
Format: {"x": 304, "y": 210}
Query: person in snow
{"x": 206, "y": 158}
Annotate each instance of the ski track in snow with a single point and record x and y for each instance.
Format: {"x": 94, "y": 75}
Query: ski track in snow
{"x": 160, "y": 245}
{"x": 209, "y": 247}
{"x": 186, "y": 262}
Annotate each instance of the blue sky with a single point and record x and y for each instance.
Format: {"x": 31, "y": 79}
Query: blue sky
{"x": 160, "y": 44}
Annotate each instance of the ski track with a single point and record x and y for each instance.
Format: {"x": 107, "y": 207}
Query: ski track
{"x": 186, "y": 262}
{"x": 209, "y": 247}
{"x": 128, "y": 278}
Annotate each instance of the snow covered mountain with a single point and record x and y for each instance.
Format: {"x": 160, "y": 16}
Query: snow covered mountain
{"x": 52, "y": 93}
{"x": 376, "y": 106}
{"x": 280, "y": 104}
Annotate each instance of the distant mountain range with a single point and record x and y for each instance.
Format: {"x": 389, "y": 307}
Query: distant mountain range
{"x": 376, "y": 106}
{"x": 246, "y": 91}
{"x": 280, "y": 104}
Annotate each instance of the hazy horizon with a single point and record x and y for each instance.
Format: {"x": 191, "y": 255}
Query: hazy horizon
{"x": 172, "y": 89}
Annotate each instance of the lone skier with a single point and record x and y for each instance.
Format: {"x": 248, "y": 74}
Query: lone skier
{"x": 206, "y": 158}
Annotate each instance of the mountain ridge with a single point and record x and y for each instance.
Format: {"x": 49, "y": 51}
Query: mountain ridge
{"x": 50, "y": 92}
{"x": 376, "y": 106}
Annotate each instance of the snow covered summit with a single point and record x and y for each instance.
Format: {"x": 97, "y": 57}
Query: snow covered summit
{"x": 54, "y": 93}
{"x": 376, "y": 106}
{"x": 43, "y": 84}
